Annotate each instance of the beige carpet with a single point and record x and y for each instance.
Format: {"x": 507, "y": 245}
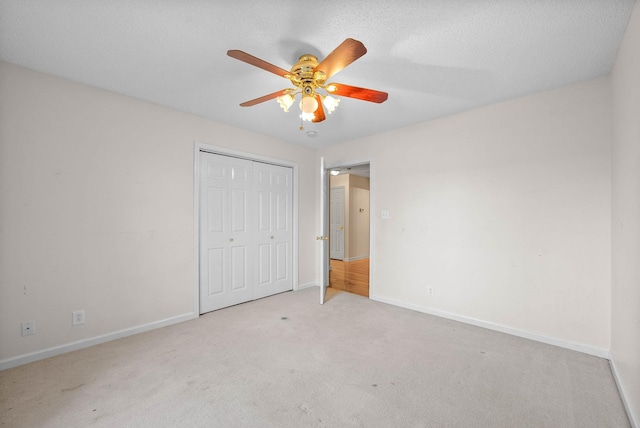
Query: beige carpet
{"x": 286, "y": 361}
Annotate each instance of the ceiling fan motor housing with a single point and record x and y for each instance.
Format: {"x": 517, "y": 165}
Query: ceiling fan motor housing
{"x": 304, "y": 77}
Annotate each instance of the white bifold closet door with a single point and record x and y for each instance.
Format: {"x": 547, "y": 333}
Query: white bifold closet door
{"x": 246, "y": 232}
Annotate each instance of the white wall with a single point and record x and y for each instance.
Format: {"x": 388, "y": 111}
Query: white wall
{"x": 625, "y": 308}
{"x": 507, "y": 215}
{"x": 96, "y": 209}
{"x": 359, "y": 223}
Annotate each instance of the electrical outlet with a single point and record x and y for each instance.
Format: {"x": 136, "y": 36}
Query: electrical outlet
{"x": 78, "y": 317}
{"x": 28, "y": 328}
{"x": 430, "y": 291}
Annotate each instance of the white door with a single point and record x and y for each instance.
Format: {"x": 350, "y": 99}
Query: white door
{"x": 336, "y": 223}
{"x": 273, "y": 185}
{"x": 322, "y": 238}
{"x": 225, "y": 251}
{"x": 246, "y": 233}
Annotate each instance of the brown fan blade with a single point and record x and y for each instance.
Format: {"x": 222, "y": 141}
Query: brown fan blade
{"x": 319, "y": 113}
{"x": 358, "y": 93}
{"x": 250, "y": 59}
{"x": 264, "y": 98}
{"x": 348, "y": 51}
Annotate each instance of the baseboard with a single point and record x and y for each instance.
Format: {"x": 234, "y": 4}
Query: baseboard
{"x": 591, "y": 350}
{"x": 625, "y": 402}
{"x": 85, "y": 343}
{"x": 351, "y": 259}
{"x": 307, "y": 285}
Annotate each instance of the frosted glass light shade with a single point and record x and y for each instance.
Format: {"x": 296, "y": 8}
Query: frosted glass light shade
{"x": 307, "y": 116}
{"x": 285, "y": 101}
{"x": 330, "y": 103}
{"x": 308, "y": 105}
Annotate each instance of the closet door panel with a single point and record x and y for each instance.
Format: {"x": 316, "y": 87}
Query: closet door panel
{"x": 226, "y": 258}
{"x": 275, "y": 237}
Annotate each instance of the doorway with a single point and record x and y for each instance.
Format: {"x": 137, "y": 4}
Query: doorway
{"x": 349, "y": 220}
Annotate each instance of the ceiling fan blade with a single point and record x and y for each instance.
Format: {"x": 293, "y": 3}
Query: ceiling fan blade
{"x": 264, "y": 98}
{"x": 358, "y": 93}
{"x": 250, "y": 59}
{"x": 348, "y": 51}
{"x": 319, "y": 113}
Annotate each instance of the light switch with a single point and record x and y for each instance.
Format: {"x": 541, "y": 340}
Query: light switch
{"x": 385, "y": 214}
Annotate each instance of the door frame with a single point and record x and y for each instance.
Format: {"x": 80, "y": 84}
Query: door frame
{"x": 345, "y": 164}
{"x": 198, "y": 148}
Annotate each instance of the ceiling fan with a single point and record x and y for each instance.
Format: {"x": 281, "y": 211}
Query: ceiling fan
{"x": 308, "y": 76}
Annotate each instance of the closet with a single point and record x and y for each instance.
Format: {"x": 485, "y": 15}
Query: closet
{"x": 246, "y": 232}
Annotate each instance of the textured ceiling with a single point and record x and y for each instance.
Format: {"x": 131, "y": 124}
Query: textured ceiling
{"x": 433, "y": 57}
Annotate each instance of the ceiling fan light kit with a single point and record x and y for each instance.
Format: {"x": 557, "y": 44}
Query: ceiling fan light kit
{"x": 309, "y": 78}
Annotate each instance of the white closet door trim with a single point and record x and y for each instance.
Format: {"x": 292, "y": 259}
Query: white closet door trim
{"x": 202, "y": 147}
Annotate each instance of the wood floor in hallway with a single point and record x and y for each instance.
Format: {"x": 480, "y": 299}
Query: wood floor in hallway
{"x": 351, "y": 276}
